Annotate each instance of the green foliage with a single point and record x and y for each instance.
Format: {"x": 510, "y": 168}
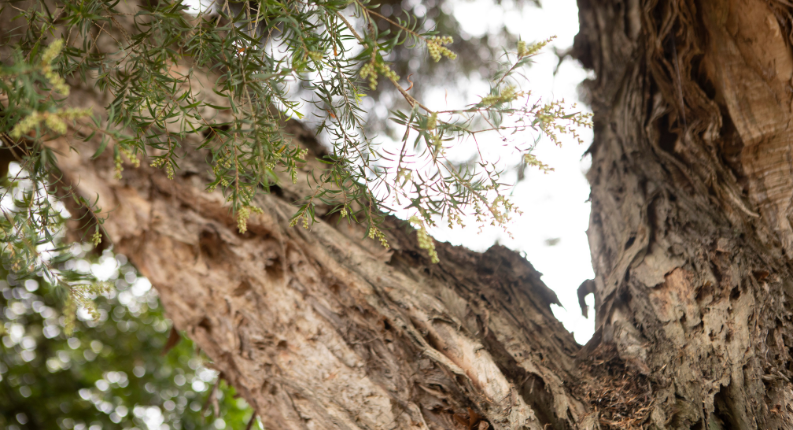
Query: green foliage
{"x": 424, "y": 239}
{"x": 253, "y": 52}
{"x": 110, "y": 371}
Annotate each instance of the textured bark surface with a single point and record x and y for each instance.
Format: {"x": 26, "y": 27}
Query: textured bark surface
{"x": 691, "y": 196}
{"x": 319, "y": 329}
{"x": 322, "y": 330}
{"x": 690, "y": 235}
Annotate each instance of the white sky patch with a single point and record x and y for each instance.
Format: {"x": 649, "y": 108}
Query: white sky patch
{"x": 552, "y": 230}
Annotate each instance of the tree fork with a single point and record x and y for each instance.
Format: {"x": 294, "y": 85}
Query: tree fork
{"x": 690, "y": 235}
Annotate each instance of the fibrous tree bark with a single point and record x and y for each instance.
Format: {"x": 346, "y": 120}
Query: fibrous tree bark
{"x": 690, "y": 234}
{"x": 690, "y": 229}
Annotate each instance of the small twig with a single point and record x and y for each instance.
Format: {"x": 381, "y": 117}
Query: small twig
{"x": 396, "y": 24}
{"x": 410, "y": 98}
{"x": 410, "y": 82}
{"x": 354, "y": 33}
{"x": 213, "y": 399}
{"x": 250, "y": 423}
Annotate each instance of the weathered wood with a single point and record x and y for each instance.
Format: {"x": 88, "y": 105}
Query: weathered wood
{"x": 691, "y": 189}
{"x": 690, "y": 236}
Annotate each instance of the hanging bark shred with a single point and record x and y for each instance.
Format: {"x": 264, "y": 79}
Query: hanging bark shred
{"x": 173, "y": 339}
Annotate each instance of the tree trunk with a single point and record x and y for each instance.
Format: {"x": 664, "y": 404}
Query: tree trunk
{"x": 691, "y": 201}
{"x": 690, "y": 235}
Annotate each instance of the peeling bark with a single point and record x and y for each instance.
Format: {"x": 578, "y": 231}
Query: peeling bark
{"x": 318, "y": 329}
{"x": 691, "y": 190}
{"x": 690, "y": 234}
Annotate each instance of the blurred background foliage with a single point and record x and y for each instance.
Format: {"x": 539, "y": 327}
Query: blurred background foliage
{"x": 114, "y": 372}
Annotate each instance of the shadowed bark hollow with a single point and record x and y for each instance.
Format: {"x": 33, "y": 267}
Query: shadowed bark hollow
{"x": 691, "y": 238}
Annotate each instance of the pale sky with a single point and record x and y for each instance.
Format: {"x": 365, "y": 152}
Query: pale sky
{"x": 554, "y": 205}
